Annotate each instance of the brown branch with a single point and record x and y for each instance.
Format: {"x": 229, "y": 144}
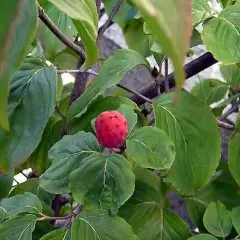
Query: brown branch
{"x": 191, "y": 69}
{"x": 58, "y": 33}
{"x": 109, "y": 22}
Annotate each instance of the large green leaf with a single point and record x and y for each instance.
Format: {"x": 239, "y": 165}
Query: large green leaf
{"x": 150, "y": 147}
{"x": 133, "y": 31}
{"x": 85, "y": 18}
{"x": 66, "y": 156}
{"x": 231, "y": 73}
{"x": 221, "y": 35}
{"x": 193, "y": 132}
{"x": 210, "y": 90}
{"x": 27, "y": 202}
{"x": 38, "y": 160}
{"x": 18, "y": 23}
{"x": 18, "y": 228}
{"x": 235, "y": 214}
{"x": 50, "y": 43}
{"x": 144, "y": 211}
{"x": 217, "y": 219}
{"x": 124, "y": 15}
{"x": 234, "y": 152}
{"x": 171, "y": 23}
{"x": 111, "y": 73}
{"x": 201, "y": 11}
{"x": 202, "y": 237}
{"x": 6, "y": 182}
{"x": 98, "y": 224}
{"x": 118, "y": 103}
{"x": 103, "y": 182}
{"x": 59, "y": 234}
{"x": 31, "y": 102}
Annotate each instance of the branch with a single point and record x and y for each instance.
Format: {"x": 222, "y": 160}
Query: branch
{"x": 225, "y": 125}
{"x": 89, "y": 71}
{"x": 58, "y": 33}
{"x": 166, "y": 76}
{"x": 191, "y": 69}
{"x": 228, "y": 112}
{"x": 109, "y": 22}
{"x": 136, "y": 93}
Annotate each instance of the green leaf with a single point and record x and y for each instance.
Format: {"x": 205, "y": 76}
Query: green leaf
{"x": 26, "y": 203}
{"x": 171, "y": 27}
{"x": 38, "y": 160}
{"x": 202, "y": 237}
{"x": 210, "y": 90}
{"x": 221, "y": 35}
{"x": 133, "y": 31}
{"x": 98, "y": 224}
{"x": 66, "y": 156}
{"x": 18, "y": 23}
{"x": 144, "y": 211}
{"x": 59, "y": 234}
{"x": 20, "y": 227}
{"x": 217, "y": 219}
{"x": 124, "y": 15}
{"x": 50, "y": 43}
{"x": 102, "y": 182}
{"x": 150, "y": 147}
{"x": 234, "y": 152}
{"x": 111, "y": 73}
{"x": 192, "y": 132}
{"x": 235, "y": 214}
{"x": 32, "y": 185}
{"x": 6, "y": 182}
{"x": 231, "y": 73}
{"x": 31, "y": 103}
{"x": 3, "y": 214}
{"x": 122, "y": 104}
{"x": 201, "y": 11}
{"x": 85, "y": 18}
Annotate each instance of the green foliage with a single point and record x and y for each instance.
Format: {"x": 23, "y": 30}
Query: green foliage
{"x": 18, "y": 24}
{"x": 221, "y": 35}
{"x": 85, "y": 18}
{"x": 210, "y": 90}
{"x": 217, "y": 220}
{"x": 150, "y": 147}
{"x": 79, "y": 190}
{"x": 90, "y": 225}
{"x": 182, "y": 125}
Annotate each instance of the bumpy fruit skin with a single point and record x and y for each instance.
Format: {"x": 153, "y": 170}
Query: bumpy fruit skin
{"x": 111, "y": 129}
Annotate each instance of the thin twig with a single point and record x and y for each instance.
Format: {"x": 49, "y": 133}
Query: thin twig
{"x": 225, "y": 125}
{"x": 89, "y": 71}
{"x": 136, "y": 93}
{"x": 109, "y": 22}
{"x": 58, "y": 33}
{"x": 166, "y": 75}
{"x": 44, "y": 217}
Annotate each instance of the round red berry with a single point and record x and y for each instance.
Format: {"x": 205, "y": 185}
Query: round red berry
{"x": 111, "y": 129}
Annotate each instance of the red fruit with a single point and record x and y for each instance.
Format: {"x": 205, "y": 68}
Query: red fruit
{"x": 111, "y": 129}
